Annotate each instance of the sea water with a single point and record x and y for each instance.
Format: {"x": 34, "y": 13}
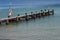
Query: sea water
{"x": 44, "y": 28}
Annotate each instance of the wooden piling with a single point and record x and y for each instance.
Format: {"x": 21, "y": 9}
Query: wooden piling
{"x": 52, "y": 11}
{"x": 32, "y": 15}
{"x": 44, "y": 12}
{"x": 36, "y": 14}
{"x": 41, "y": 12}
{"x": 7, "y": 21}
{"x": 26, "y": 17}
{"x": 19, "y": 17}
{"x": 47, "y": 13}
{"x": 0, "y": 22}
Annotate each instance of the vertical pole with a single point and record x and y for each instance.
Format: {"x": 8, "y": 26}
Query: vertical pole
{"x": 17, "y": 19}
{"x": 0, "y": 22}
{"x": 26, "y": 17}
{"x": 32, "y": 15}
{"x": 48, "y": 12}
{"x": 52, "y": 11}
{"x": 7, "y": 21}
{"x": 45, "y": 12}
{"x": 36, "y": 14}
{"x": 41, "y": 12}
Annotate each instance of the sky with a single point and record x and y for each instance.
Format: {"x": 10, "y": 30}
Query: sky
{"x": 26, "y": 1}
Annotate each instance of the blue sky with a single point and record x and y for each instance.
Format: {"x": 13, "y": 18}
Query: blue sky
{"x": 25, "y": 1}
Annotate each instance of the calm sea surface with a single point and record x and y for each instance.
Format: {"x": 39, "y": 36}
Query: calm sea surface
{"x": 44, "y": 28}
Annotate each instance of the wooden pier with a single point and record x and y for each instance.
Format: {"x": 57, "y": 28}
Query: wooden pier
{"x": 27, "y": 16}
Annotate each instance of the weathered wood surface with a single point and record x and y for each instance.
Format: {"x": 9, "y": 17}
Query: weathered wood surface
{"x": 25, "y": 15}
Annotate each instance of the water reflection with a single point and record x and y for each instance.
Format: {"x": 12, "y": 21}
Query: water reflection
{"x": 34, "y": 29}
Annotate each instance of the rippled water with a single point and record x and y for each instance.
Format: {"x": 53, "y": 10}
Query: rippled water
{"x": 44, "y": 28}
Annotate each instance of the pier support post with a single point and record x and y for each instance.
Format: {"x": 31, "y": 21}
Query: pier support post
{"x": 0, "y": 22}
{"x": 48, "y": 12}
{"x": 33, "y": 16}
{"x": 26, "y": 17}
{"x": 45, "y": 12}
{"x": 41, "y": 12}
{"x": 52, "y": 11}
{"x": 36, "y": 14}
{"x": 17, "y": 19}
{"x": 7, "y": 21}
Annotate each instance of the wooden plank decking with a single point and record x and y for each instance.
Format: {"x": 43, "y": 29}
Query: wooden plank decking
{"x": 26, "y": 16}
